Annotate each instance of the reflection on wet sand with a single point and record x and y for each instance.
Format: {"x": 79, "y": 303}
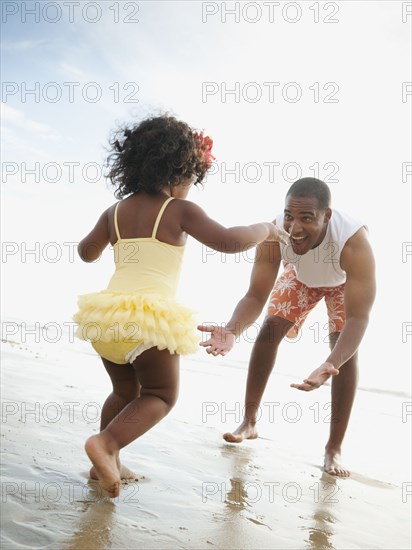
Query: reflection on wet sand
{"x": 199, "y": 492}
{"x": 237, "y": 494}
{"x": 96, "y": 520}
{"x": 241, "y": 492}
{"x": 325, "y": 496}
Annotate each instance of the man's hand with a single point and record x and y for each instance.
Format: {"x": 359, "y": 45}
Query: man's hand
{"x": 220, "y": 342}
{"x": 317, "y": 377}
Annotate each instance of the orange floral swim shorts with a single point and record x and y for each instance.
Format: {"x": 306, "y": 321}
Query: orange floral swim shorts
{"x": 293, "y": 301}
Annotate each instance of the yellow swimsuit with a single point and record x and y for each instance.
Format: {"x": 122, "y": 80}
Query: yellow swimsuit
{"x": 138, "y": 309}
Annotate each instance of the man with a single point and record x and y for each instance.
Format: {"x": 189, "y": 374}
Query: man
{"x": 329, "y": 257}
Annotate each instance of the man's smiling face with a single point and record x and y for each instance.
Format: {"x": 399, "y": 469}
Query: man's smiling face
{"x": 305, "y": 222}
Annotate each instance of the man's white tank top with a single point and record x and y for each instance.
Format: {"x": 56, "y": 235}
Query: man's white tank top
{"x": 321, "y": 265}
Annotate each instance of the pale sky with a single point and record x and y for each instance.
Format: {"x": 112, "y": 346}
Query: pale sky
{"x": 350, "y": 127}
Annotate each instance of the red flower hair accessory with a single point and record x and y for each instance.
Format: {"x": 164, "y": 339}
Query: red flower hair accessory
{"x": 205, "y": 144}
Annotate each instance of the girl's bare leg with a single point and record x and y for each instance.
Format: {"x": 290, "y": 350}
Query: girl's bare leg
{"x": 158, "y": 374}
{"x": 126, "y": 387}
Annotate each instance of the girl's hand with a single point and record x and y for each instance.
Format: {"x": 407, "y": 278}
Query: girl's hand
{"x": 221, "y": 341}
{"x": 278, "y": 234}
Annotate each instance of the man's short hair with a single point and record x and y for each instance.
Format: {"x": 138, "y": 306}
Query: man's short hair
{"x": 311, "y": 187}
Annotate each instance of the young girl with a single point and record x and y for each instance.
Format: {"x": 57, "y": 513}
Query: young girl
{"x": 136, "y": 325}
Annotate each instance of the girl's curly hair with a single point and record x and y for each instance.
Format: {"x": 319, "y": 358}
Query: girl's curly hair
{"x": 156, "y": 152}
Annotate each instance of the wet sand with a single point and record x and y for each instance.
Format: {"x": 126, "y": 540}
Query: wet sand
{"x": 195, "y": 490}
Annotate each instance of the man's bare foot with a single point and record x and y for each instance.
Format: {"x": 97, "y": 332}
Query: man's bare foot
{"x": 125, "y": 473}
{"x": 247, "y": 430}
{"x": 105, "y": 464}
{"x": 332, "y": 464}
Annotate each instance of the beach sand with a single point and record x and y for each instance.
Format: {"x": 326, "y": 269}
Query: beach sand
{"x": 195, "y": 490}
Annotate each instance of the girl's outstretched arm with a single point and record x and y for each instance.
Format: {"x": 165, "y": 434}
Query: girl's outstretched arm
{"x": 228, "y": 240}
{"x": 91, "y": 247}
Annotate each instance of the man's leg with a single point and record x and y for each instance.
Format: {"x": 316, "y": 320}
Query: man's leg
{"x": 261, "y": 364}
{"x": 342, "y": 397}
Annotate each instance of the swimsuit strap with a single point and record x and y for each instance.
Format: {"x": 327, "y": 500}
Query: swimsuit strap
{"x": 159, "y": 216}
{"x": 115, "y": 221}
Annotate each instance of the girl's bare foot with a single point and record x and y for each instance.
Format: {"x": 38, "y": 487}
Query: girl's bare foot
{"x": 125, "y": 473}
{"x": 247, "y": 430}
{"x": 105, "y": 464}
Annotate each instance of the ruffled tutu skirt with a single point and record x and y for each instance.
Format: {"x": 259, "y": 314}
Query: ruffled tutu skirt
{"x": 121, "y": 325}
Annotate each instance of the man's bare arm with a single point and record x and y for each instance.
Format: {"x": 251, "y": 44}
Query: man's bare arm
{"x": 358, "y": 262}
{"x": 263, "y": 277}
{"x": 360, "y": 289}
